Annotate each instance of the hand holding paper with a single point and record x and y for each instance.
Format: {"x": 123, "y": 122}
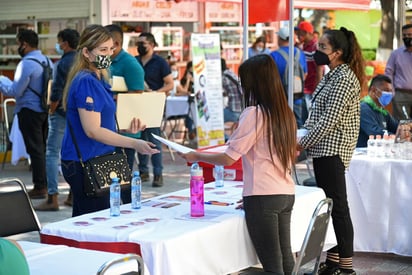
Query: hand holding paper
{"x": 179, "y": 148}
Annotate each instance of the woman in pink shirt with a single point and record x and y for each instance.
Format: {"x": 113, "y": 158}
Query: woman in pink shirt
{"x": 266, "y": 140}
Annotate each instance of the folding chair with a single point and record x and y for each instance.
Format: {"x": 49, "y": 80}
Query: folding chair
{"x": 313, "y": 242}
{"x": 128, "y": 257}
{"x": 16, "y": 210}
{"x": 315, "y": 236}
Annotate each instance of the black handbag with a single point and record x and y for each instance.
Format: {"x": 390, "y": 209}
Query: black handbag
{"x": 99, "y": 171}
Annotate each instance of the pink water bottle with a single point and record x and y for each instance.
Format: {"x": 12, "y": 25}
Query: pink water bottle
{"x": 197, "y": 207}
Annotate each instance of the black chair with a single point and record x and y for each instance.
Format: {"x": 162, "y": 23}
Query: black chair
{"x": 128, "y": 257}
{"x": 313, "y": 242}
{"x": 16, "y": 211}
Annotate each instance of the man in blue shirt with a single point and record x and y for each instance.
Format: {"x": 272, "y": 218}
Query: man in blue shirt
{"x": 374, "y": 119}
{"x": 67, "y": 41}
{"x": 299, "y": 106}
{"x": 158, "y": 78}
{"x": 32, "y": 117}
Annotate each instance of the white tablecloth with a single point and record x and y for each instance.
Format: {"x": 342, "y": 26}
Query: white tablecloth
{"x": 178, "y": 106}
{"x": 44, "y": 259}
{"x": 16, "y": 138}
{"x": 174, "y": 243}
{"x": 380, "y": 201}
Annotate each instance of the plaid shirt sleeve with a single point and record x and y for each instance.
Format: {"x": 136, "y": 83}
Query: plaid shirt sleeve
{"x": 232, "y": 90}
{"x": 334, "y": 121}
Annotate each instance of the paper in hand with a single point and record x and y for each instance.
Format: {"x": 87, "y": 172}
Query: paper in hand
{"x": 179, "y": 148}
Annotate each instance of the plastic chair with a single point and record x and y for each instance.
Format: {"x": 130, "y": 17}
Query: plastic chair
{"x": 313, "y": 242}
{"x": 128, "y": 257}
{"x": 16, "y": 210}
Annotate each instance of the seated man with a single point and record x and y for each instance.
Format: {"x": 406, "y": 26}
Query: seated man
{"x": 374, "y": 119}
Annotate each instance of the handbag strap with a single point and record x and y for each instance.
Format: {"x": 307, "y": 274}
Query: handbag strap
{"x": 77, "y": 146}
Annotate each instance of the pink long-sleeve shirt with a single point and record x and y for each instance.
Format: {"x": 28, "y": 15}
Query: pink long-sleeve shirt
{"x": 260, "y": 175}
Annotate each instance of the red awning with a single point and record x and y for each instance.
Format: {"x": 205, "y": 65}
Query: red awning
{"x": 333, "y": 5}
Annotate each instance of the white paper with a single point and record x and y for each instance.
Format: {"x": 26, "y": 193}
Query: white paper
{"x": 118, "y": 84}
{"x": 148, "y": 107}
{"x": 173, "y": 145}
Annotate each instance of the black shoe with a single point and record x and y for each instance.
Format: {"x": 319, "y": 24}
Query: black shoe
{"x": 327, "y": 269}
{"x": 38, "y": 193}
{"x": 157, "y": 181}
{"x": 144, "y": 176}
{"x": 340, "y": 271}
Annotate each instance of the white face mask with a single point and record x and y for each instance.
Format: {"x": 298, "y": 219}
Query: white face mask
{"x": 259, "y": 49}
{"x": 175, "y": 74}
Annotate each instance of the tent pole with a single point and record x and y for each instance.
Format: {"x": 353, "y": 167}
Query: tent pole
{"x": 245, "y": 29}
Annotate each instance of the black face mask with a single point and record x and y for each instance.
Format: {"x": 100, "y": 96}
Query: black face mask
{"x": 20, "y": 50}
{"x": 321, "y": 58}
{"x": 141, "y": 49}
{"x": 407, "y": 41}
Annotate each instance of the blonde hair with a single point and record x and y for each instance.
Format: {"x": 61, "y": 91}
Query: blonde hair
{"x": 91, "y": 38}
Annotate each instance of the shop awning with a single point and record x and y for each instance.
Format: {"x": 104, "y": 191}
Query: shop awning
{"x": 333, "y": 5}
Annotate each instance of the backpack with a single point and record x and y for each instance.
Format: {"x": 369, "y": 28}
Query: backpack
{"x": 298, "y": 74}
{"x": 47, "y": 77}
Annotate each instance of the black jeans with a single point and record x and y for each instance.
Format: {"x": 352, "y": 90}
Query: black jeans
{"x": 73, "y": 174}
{"x": 34, "y": 128}
{"x": 268, "y": 222}
{"x": 330, "y": 176}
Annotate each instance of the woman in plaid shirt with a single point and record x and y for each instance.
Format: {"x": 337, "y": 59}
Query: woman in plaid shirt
{"x": 333, "y": 127}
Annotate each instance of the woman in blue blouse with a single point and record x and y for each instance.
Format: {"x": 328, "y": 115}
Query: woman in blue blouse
{"x": 90, "y": 111}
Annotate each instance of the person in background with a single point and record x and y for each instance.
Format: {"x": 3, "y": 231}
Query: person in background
{"x": 12, "y": 259}
{"x": 231, "y": 89}
{"x": 159, "y": 79}
{"x": 31, "y": 116}
{"x": 309, "y": 47}
{"x": 265, "y": 140}
{"x": 374, "y": 119}
{"x": 299, "y": 106}
{"x": 90, "y": 113}
{"x": 126, "y": 66}
{"x": 180, "y": 90}
{"x": 258, "y": 47}
{"x": 67, "y": 41}
{"x": 333, "y": 129}
{"x": 399, "y": 70}
{"x": 187, "y": 78}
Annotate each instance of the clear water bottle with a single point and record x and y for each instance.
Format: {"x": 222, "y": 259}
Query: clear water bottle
{"x": 197, "y": 207}
{"x": 371, "y": 146}
{"x": 136, "y": 190}
{"x": 115, "y": 197}
{"x": 379, "y": 146}
{"x": 219, "y": 173}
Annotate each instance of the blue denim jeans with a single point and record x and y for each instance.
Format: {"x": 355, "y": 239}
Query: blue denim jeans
{"x": 268, "y": 222}
{"x": 73, "y": 174}
{"x": 57, "y": 124}
{"x": 300, "y": 111}
{"x": 156, "y": 158}
{"x": 229, "y": 115}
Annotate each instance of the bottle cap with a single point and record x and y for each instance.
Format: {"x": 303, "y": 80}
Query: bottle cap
{"x": 196, "y": 170}
{"x": 136, "y": 174}
{"x": 115, "y": 179}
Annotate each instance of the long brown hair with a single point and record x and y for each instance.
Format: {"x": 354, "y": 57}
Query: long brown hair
{"x": 91, "y": 37}
{"x": 345, "y": 40}
{"x": 263, "y": 88}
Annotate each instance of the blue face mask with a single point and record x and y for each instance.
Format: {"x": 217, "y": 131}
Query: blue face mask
{"x": 58, "y": 49}
{"x": 385, "y": 98}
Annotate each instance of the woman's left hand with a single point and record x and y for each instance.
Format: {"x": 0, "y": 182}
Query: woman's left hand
{"x": 135, "y": 126}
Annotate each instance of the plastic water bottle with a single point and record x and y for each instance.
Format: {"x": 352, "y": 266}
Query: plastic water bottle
{"x": 371, "y": 146}
{"x": 136, "y": 190}
{"x": 219, "y": 175}
{"x": 115, "y": 197}
{"x": 379, "y": 146}
{"x": 197, "y": 207}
